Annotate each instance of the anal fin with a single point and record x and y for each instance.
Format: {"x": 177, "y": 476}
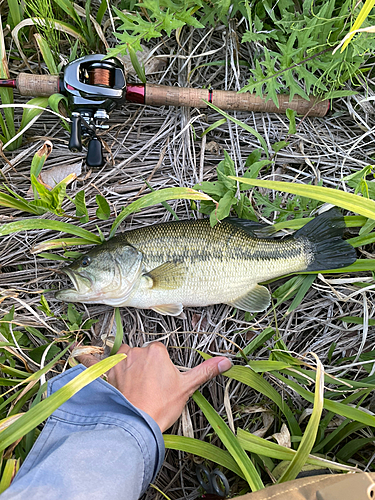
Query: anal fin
{"x": 255, "y": 300}
{"x": 168, "y": 309}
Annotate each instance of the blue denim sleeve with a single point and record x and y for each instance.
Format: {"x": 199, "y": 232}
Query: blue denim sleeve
{"x": 97, "y": 445}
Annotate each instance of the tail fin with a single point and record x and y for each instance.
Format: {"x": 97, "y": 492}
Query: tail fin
{"x": 328, "y": 249}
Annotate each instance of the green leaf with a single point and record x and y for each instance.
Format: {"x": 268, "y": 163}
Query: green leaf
{"x": 204, "y": 450}
{"x": 140, "y": 70}
{"x": 338, "y": 408}
{"x": 267, "y": 448}
{"x": 45, "y": 408}
{"x": 279, "y": 145}
{"x": 155, "y": 198}
{"x": 81, "y": 209}
{"x": 230, "y": 442}
{"x": 258, "y": 341}
{"x": 223, "y": 209}
{"x": 309, "y": 435}
{"x": 10, "y": 470}
{"x": 291, "y": 115}
{"x": 247, "y": 376}
{"x": 241, "y": 124}
{"x": 46, "y": 53}
{"x": 119, "y": 332}
{"x": 349, "y": 201}
{"x": 30, "y": 224}
{"x": 218, "y": 123}
{"x": 103, "y": 212}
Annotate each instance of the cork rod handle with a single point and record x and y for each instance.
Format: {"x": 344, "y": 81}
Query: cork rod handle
{"x": 37, "y": 85}
{"x": 160, "y": 95}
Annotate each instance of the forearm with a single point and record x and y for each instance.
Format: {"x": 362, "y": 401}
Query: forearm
{"x": 94, "y": 444}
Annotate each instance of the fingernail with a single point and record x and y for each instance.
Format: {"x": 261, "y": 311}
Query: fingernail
{"x": 224, "y": 365}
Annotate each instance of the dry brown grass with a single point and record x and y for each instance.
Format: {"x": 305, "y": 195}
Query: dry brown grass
{"x": 141, "y": 138}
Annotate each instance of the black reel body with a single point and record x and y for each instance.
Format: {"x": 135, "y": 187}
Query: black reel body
{"x": 94, "y": 87}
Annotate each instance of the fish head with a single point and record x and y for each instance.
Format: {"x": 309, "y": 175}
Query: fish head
{"x": 105, "y": 275}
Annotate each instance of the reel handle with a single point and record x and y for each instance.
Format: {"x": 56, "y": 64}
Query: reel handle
{"x": 75, "y": 142}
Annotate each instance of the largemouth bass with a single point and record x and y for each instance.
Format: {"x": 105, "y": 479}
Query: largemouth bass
{"x": 167, "y": 266}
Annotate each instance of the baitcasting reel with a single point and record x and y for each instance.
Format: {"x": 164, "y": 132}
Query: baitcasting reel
{"x": 94, "y": 88}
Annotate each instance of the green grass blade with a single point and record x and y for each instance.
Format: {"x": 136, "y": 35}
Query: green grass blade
{"x": 29, "y": 224}
{"x": 334, "y": 406}
{"x": 242, "y": 125}
{"x": 46, "y": 53}
{"x": 309, "y": 436}
{"x": 248, "y": 377}
{"x": 44, "y": 409}
{"x": 258, "y": 341}
{"x": 230, "y": 441}
{"x": 364, "y": 12}
{"x": 10, "y": 470}
{"x": 204, "y": 450}
{"x": 119, "y": 332}
{"x": 155, "y": 198}
{"x": 260, "y": 446}
{"x": 8, "y": 201}
{"x": 349, "y": 201}
{"x": 59, "y": 243}
{"x": 302, "y": 291}
{"x": 258, "y": 383}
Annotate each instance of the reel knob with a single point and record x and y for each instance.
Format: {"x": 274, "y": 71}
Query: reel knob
{"x": 94, "y": 153}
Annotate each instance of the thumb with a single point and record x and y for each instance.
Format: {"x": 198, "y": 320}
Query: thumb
{"x": 206, "y": 371}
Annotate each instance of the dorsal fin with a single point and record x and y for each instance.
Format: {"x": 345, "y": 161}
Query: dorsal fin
{"x": 255, "y": 229}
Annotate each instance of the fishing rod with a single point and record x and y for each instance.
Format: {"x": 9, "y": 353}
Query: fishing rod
{"x": 94, "y": 86}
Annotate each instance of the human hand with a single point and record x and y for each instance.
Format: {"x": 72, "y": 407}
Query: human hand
{"x": 151, "y": 382}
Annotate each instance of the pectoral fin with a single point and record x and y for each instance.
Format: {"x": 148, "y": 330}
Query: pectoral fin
{"x": 256, "y": 300}
{"x": 168, "y": 309}
{"x": 168, "y": 276}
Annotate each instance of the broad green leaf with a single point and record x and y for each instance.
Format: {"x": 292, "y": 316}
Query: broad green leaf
{"x": 230, "y": 442}
{"x": 45, "y": 408}
{"x": 291, "y": 115}
{"x": 155, "y": 198}
{"x": 309, "y": 435}
{"x": 336, "y": 197}
{"x": 103, "y": 212}
{"x": 30, "y": 224}
{"x": 204, "y": 450}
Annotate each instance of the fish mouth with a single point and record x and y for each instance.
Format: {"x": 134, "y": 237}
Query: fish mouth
{"x": 82, "y": 287}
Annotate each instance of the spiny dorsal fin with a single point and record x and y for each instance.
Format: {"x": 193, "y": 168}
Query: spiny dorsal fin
{"x": 168, "y": 276}
{"x": 255, "y": 229}
{"x": 255, "y": 300}
{"x": 168, "y": 309}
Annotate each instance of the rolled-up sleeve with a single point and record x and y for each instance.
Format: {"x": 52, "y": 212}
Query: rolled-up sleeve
{"x": 97, "y": 445}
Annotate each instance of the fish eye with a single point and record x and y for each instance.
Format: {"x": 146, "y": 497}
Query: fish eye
{"x": 86, "y": 261}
